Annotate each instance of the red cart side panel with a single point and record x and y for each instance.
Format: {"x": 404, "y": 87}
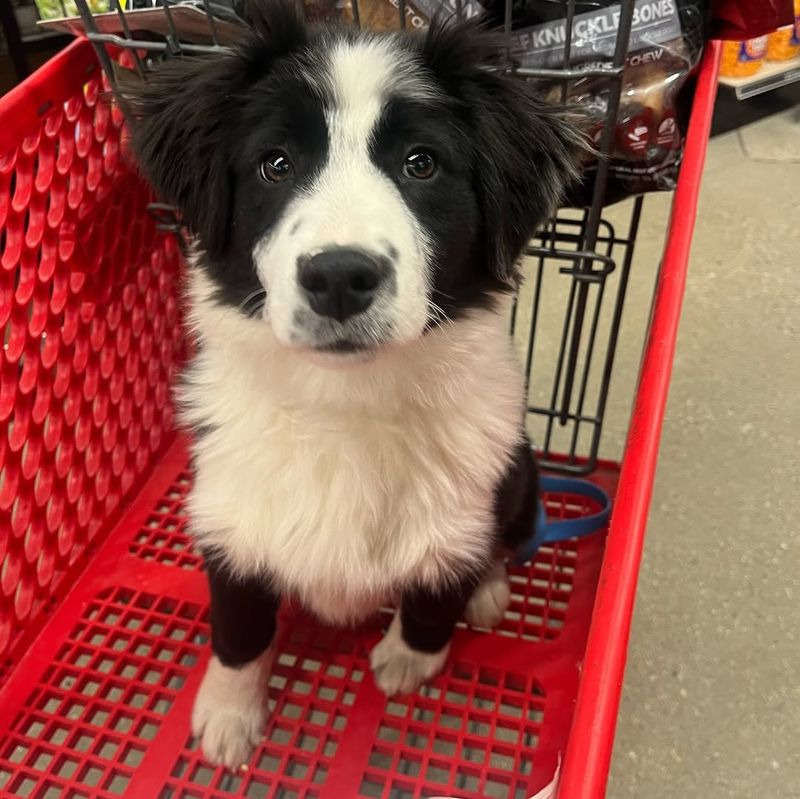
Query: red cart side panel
{"x": 88, "y": 308}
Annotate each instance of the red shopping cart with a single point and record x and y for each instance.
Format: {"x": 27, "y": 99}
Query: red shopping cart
{"x": 103, "y": 605}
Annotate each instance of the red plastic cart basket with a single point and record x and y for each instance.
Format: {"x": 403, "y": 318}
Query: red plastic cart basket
{"x": 103, "y": 607}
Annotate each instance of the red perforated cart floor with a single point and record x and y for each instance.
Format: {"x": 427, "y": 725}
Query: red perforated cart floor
{"x": 99, "y": 705}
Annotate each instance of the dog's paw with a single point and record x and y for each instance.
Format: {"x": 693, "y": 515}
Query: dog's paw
{"x": 228, "y": 735}
{"x": 230, "y": 712}
{"x": 399, "y": 669}
{"x": 490, "y": 601}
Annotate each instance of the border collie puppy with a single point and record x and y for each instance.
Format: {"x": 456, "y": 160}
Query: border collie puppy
{"x": 358, "y": 202}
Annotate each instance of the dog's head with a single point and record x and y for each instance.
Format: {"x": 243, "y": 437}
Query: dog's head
{"x": 352, "y": 189}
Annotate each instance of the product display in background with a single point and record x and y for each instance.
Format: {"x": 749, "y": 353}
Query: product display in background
{"x": 666, "y": 42}
{"x": 784, "y": 43}
{"x": 55, "y": 9}
{"x": 737, "y": 20}
{"x": 742, "y": 59}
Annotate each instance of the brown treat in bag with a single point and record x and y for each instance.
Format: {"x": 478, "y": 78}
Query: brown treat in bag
{"x": 384, "y": 15}
{"x": 327, "y": 11}
{"x": 378, "y": 15}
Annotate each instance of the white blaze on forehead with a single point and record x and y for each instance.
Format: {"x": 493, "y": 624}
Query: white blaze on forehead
{"x": 352, "y": 202}
{"x": 363, "y": 74}
{"x": 359, "y": 76}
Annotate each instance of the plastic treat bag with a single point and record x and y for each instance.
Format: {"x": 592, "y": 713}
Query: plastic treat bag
{"x": 664, "y": 49}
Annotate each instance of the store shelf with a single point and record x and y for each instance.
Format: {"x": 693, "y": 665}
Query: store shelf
{"x": 772, "y": 75}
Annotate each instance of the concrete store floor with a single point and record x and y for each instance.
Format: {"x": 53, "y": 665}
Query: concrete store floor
{"x": 711, "y": 706}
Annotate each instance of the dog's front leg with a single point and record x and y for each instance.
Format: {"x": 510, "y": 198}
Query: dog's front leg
{"x": 230, "y": 710}
{"x": 416, "y": 646}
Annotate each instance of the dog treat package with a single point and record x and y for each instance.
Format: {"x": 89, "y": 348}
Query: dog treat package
{"x": 665, "y": 45}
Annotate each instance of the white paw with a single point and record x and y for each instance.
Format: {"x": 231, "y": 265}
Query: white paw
{"x": 490, "y": 601}
{"x": 230, "y": 711}
{"x": 398, "y": 668}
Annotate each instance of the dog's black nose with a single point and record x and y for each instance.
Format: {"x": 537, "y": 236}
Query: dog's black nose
{"x": 340, "y": 282}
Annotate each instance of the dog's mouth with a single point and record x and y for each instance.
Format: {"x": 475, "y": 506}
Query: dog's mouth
{"x": 344, "y": 352}
{"x": 355, "y": 339}
{"x": 345, "y": 346}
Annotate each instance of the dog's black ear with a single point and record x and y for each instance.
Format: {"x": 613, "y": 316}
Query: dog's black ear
{"x": 182, "y": 115}
{"x": 179, "y": 125}
{"x": 526, "y": 152}
{"x": 527, "y": 155}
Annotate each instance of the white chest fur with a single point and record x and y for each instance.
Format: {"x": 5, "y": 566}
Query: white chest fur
{"x": 345, "y": 484}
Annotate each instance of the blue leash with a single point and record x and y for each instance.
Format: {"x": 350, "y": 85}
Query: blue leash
{"x": 548, "y": 532}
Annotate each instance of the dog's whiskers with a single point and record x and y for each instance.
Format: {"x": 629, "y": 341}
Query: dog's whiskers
{"x": 258, "y": 297}
{"x": 438, "y": 315}
{"x": 441, "y": 293}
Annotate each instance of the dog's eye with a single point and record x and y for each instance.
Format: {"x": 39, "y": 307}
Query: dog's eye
{"x": 420, "y": 165}
{"x": 276, "y": 167}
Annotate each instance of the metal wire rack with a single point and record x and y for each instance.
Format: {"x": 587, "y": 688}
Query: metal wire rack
{"x": 577, "y": 260}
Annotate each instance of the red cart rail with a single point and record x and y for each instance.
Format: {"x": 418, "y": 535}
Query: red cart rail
{"x": 103, "y": 606}
{"x": 589, "y": 750}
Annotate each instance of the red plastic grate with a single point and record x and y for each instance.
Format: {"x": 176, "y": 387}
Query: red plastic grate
{"x": 88, "y": 724}
{"x": 163, "y": 537}
{"x": 472, "y": 733}
{"x": 88, "y": 306}
{"x": 313, "y": 689}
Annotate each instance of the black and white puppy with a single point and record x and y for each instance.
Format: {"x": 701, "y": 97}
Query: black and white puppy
{"x": 359, "y": 202}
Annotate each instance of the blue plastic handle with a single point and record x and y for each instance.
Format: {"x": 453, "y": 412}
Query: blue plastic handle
{"x": 548, "y": 532}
